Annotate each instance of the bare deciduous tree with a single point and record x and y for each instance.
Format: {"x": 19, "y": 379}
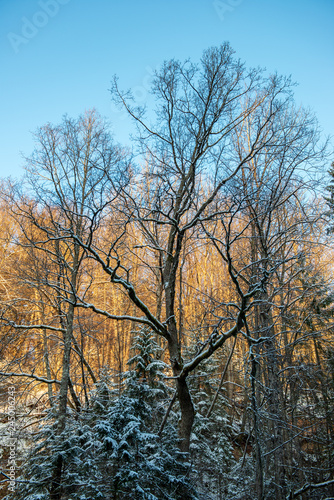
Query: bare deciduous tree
{"x": 72, "y": 180}
{"x": 192, "y": 164}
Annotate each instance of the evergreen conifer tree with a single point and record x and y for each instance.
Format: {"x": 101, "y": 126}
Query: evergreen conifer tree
{"x": 113, "y": 450}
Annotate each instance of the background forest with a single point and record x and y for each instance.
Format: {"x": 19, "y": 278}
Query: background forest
{"x": 167, "y": 312}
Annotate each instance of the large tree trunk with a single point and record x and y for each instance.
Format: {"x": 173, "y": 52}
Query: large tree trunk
{"x": 56, "y": 481}
{"x": 187, "y": 414}
{"x": 174, "y": 347}
{"x": 183, "y": 394}
{"x": 275, "y": 463}
{"x": 55, "y": 488}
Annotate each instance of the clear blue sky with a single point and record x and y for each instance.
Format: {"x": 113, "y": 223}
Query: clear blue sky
{"x": 59, "y": 56}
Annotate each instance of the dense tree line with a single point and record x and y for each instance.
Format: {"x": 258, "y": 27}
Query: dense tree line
{"x": 167, "y": 312}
